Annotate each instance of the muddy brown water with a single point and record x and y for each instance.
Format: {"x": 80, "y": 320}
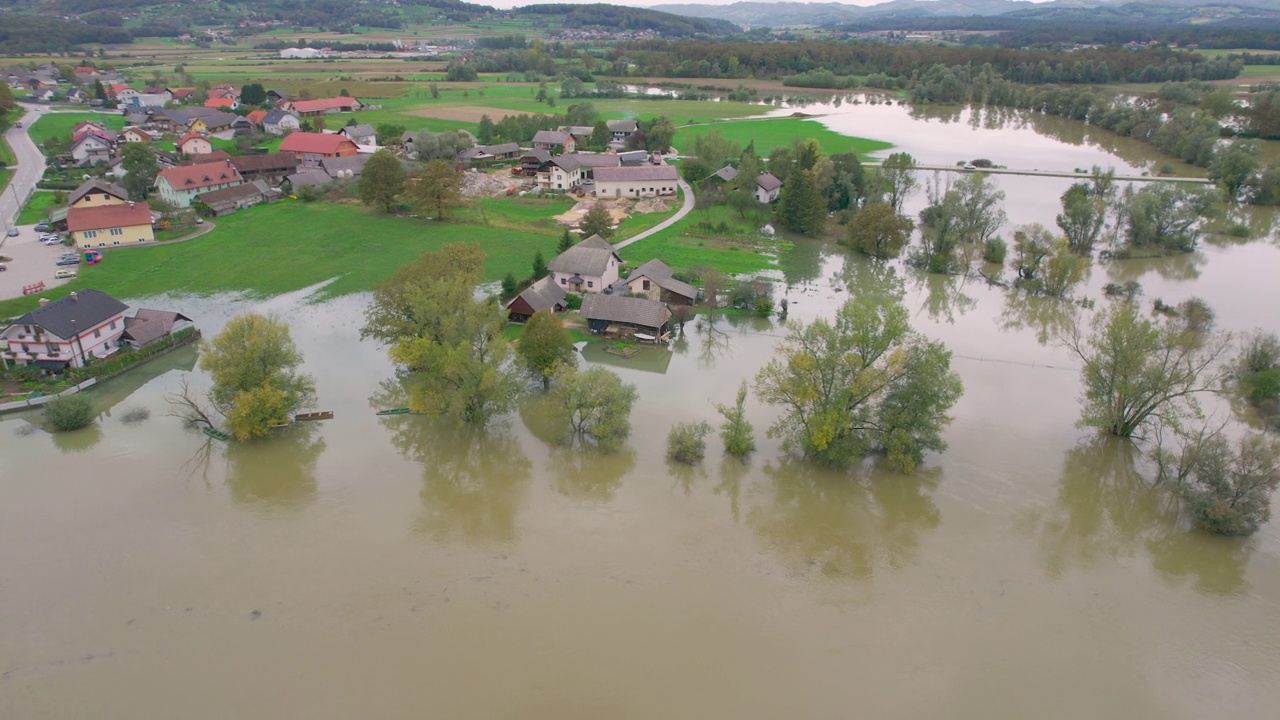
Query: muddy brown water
{"x": 400, "y": 567}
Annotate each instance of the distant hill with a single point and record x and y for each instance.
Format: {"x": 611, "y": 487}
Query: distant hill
{"x": 780, "y": 14}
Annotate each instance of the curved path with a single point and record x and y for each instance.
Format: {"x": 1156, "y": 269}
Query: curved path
{"x": 685, "y": 209}
{"x": 30, "y": 165}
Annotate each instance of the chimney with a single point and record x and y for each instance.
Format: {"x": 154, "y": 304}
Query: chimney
{"x": 44, "y": 301}
{"x": 73, "y": 296}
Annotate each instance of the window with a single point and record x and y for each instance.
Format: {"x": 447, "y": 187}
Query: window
{"x": 590, "y": 284}
{"x": 25, "y": 349}
{"x": 89, "y": 234}
{"x": 117, "y": 231}
{"x": 96, "y": 333}
{"x": 563, "y": 281}
{"x": 105, "y": 196}
{"x": 646, "y": 284}
{"x": 52, "y": 349}
{"x": 112, "y": 325}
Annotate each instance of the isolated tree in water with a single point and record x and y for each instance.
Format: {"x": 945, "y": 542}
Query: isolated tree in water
{"x": 382, "y": 181}
{"x": 591, "y": 405}
{"x": 545, "y": 347}
{"x": 864, "y": 384}
{"x": 256, "y": 383}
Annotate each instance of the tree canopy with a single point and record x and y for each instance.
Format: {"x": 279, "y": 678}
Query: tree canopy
{"x": 256, "y": 385}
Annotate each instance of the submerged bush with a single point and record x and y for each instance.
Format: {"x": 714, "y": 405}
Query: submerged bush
{"x": 687, "y": 443}
{"x": 70, "y": 412}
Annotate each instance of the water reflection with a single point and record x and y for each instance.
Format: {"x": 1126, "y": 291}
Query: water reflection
{"x": 713, "y": 341}
{"x": 77, "y": 441}
{"x": 1047, "y": 317}
{"x": 842, "y": 525}
{"x": 732, "y": 471}
{"x": 864, "y": 276}
{"x": 802, "y": 263}
{"x": 1178, "y": 267}
{"x": 278, "y": 471}
{"x": 943, "y": 296}
{"x": 588, "y": 474}
{"x": 1105, "y": 509}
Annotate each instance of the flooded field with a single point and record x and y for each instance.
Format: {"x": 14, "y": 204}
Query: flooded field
{"x": 393, "y": 567}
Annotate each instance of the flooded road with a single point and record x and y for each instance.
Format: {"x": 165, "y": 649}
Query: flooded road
{"x": 396, "y": 567}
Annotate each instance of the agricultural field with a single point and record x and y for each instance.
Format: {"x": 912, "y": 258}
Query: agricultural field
{"x": 772, "y": 132}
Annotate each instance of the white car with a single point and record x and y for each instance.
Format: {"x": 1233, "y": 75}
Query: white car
{"x": 65, "y": 274}
{"x": 51, "y": 241}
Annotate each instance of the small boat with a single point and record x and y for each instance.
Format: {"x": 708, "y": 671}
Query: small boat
{"x": 394, "y": 411}
{"x": 216, "y": 434}
{"x": 321, "y": 415}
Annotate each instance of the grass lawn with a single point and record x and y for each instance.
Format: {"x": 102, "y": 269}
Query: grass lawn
{"x": 771, "y": 132}
{"x": 273, "y": 249}
{"x": 34, "y": 210}
{"x": 6, "y": 161}
{"x": 688, "y": 244}
{"x": 60, "y": 124}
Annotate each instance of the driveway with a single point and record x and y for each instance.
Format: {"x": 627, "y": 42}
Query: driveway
{"x": 30, "y": 166}
{"x": 689, "y": 202}
{"x": 31, "y": 262}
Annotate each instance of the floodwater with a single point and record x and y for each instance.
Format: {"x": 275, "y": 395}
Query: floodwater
{"x": 401, "y": 567}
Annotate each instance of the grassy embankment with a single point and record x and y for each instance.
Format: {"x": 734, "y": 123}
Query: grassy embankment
{"x": 771, "y": 132}
{"x": 35, "y": 209}
{"x": 7, "y": 163}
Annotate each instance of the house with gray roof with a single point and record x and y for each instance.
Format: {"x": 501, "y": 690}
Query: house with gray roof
{"x": 591, "y": 266}
{"x": 622, "y": 129}
{"x": 637, "y": 182}
{"x": 654, "y": 280}
{"x": 552, "y": 139}
{"x": 344, "y": 167}
{"x": 544, "y": 294}
{"x": 767, "y": 188}
{"x": 614, "y": 316}
{"x": 69, "y": 332}
{"x": 360, "y": 134}
{"x": 279, "y": 122}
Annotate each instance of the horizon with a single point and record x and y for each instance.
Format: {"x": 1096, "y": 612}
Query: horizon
{"x": 508, "y": 4}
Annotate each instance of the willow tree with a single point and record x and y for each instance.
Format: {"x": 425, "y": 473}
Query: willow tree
{"x": 864, "y": 384}
{"x": 256, "y": 383}
{"x": 450, "y": 342}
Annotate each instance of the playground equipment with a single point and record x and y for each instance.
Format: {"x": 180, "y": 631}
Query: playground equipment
{"x": 92, "y": 257}
{"x": 33, "y": 289}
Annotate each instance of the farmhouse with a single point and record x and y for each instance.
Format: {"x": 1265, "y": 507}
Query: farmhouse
{"x": 180, "y": 185}
{"x": 360, "y": 134}
{"x": 588, "y": 267}
{"x": 311, "y": 148}
{"x": 271, "y": 167}
{"x": 147, "y": 326}
{"x": 615, "y": 316}
{"x": 325, "y": 106}
{"x": 552, "y": 139}
{"x": 566, "y": 172}
{"x": 279, "y": 122}
{"x": 228, "y": 200}
{"x": 136, "y": 135}
{"x": 544, "y": 294}
{"x": 767, "y": 187}
{"x": 96, "y": 193}
{"x": 483, "y": 153}
{"x": 109, "y": 225}
{"x": 91, "y": 147}
{"x": 636, "y": 182}
{"x": 655, "y": 281}
{"x": 194, "y": 144}
{"x": 68, "y": 332}
{"x": 622, "y": 129}
{"x": 223, "y": 103}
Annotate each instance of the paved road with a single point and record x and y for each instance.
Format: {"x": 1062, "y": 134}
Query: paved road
{"x": 30, "y": 166}
{"x": 1055, "y": 173}
{"x": 685, "y": 209}
{"x": 29, "y": 262}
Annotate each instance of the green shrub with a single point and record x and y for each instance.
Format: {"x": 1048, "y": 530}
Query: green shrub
{"x": 70, "y": 412}
{"x": 687, "y": 442}
{"x": 994, "y": 250}
{"x": 572, "y": 301}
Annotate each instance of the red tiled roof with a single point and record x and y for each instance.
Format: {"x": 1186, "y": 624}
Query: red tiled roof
{"x": 324, "y": 104}
{"x": 256, "y": 116}
{"x": 322, "y": 143}
{"x": 140, "y": 133}
{"x": 108, "y": 216}
{"x": 118, "y": 88}
{"x": 190, "y": 136}
{"x": 194, "y": 177}
{"x": 222, "y": 102}
{"x": 182, "y": 92}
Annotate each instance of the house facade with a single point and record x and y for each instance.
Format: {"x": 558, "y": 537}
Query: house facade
{"x": 767, "y": 188}
{"x": 85, "y": 325}
{"x": 544, "y": 294}
{"x": 360, "y": 134}
{"x": 90, "y": 148}
{"x": 272, "y": 168}
{"x": 194, "y": 144}
{"x": 135, "y": 135}
{"x": 180, "y": 185}
{"x": 622, "y": 129}
{"x": 655, "y": 281}
{"x": 96, "y": 193}
{"x": 311, "y": 148}
{"x": 637, "y": 182}
{"x": 279, "y": 122}
{"x": 616, "y": 316}
{"x": 110, "y": 225}
{"x": 553, "y": 139}
{"x": 591, "y": 266}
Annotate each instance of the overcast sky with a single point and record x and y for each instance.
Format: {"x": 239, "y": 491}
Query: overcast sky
{"x": 646, "y": 3}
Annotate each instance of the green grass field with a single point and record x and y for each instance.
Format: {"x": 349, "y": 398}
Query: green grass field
{"x": 34, "y": 210}
{"x": 60, "y": 124}
{"x": 686, "y": 245}
{"x": 771, "y": 132}
{"x": 274, "y": 249}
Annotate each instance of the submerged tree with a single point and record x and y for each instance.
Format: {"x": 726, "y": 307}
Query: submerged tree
{"x": 451, "y": 341}
{"x": 1165, "y": 216}
{"x": 1136, "y": 371}
{"x": 544, "y": 347}
{"x": 687, "y": 442}
{"x": 1227, "y": 488}
{"x": 256, "y": 385}
{"x": 898, "y": 175}
{"x": 865, "y": 384}
{"x": 879, "y": 231}
{"x": 1083, "y": 217}
{"x": 736, "y": 432}
{"x": 592, "y": 404}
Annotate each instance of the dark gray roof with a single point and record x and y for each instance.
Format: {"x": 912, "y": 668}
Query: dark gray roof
{"x": 596, "y": 160}
{"x": 726, "y": 173}
{"x": 633, "y": 157}
{"x": 768, "y": 182}
{"x": 502, "y": 149}
{"x": 354, "y": 131}
{"x": 553, "y": 137}
{"x": 633, "y": 311}
{"x": 539, "y": 154}
{"x": 578, "y": 131}
{"x": 642, "y": 173}
{"x": 353, "y": 163}
{"x": 542, "y": 295}
{"x": 96, "y": 185}
{"x": 622, "y": 125}
{"x": 221, "y": 119}
{"x": 312, "y": 176}
{"x": 589, "y": 257}
{"x": 275, "y": 116}
{"x": 662, "y": 275}
{"x": 87, "y": 308}
{"x": 232, "y": 195}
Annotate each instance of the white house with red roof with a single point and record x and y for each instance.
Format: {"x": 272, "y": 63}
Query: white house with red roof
{"x": 122, "y": 93}
{"x": 311, "y": 148}
{"x": 194, "y": 144}
{"x": 180, "y": 185}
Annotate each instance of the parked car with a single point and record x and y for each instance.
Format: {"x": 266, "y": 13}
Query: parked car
{"x": 42, "y": 226}
{"x": 3, "y": 268}
{"x": 68, "y": 260}
{"x": 50, "y": 236}
{"x": 13, "y": 232}
{"x": 64, "y": 274}
{"x": 51, "y": 242}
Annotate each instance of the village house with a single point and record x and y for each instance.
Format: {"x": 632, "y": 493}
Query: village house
{"x": 194, "y": 144}
{"x": 91, "y": 147}
{"x": 544, "y": 294}
{"x": 238, "y": 197}
{"x": 146, "y": 326}
{"x": 591, "y": 266}
{"x": 637, "y": 182}
{"x": 275, "y": 96}
{"x": 110, "y": 225}
{"x": 360, "y": 134}
{"x": 727, "y": 174}
{"x": 311, "y": 148}
{"x": 96, "y": 193}
{"x": 767, "y": 187}
{"x": 270, "y": 167}
{"x": 622, "y": 129}
{"x": 566, "y": 172}
{"x": 614, "y": 316}
{"x": 555, "y": 139}
{"x": 279, "y": 122}
{"x": 534, "y": 161}
{"x": 655, "y": 281}
{"x": 180, "y": 185}
{"x": 222, "y": 103}
{"x": 485, "y": 153}
{"x": 122, "y": 93}
{"x": 136, "y": 135}
{"x": 325, "y": 106}
{"x": 255, "y": 117}
{"x": 181, "y": 94}
{"x": 86, "y": 324}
